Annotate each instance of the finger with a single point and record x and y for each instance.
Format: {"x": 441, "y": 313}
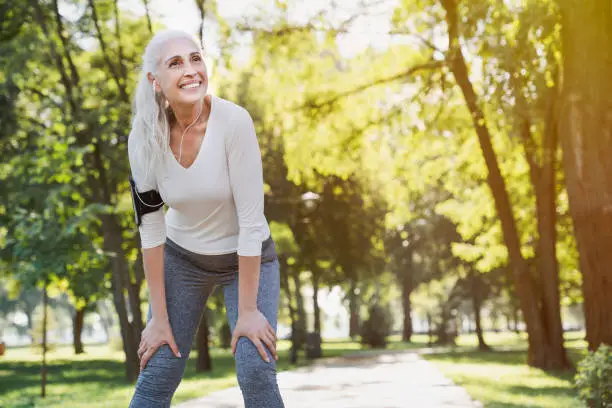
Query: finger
{"x": 174, "y": 347}
{"x": 145, "y": 358}
{"x": 272, "y": 338}
{"x": 142, "y": 348}
{"x": 258, "y": 344}
{"x": 272, "y": 333}
{"x": 270, "y": 343}
{"x": 234, "y": 342}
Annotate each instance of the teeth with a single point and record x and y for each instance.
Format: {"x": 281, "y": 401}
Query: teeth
{"x": 193, "y": 85}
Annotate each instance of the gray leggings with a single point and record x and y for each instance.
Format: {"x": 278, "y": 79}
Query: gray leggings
{"x": 190, "y": 278}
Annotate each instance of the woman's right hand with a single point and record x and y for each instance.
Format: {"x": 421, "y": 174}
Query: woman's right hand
{"x": 157, "y": 333}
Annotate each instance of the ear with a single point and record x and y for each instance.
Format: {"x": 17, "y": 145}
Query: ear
{"x": 153, "y": 82}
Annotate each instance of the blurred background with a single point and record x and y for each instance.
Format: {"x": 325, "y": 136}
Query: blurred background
{"x": 436, "y": 181}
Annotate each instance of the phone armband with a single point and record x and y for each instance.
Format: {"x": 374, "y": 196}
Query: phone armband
{"x": 145, "y": 202}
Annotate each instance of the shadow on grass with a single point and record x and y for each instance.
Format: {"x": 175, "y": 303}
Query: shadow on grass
{"x": 20, "y": 381}
{"x": 512, "y": 392}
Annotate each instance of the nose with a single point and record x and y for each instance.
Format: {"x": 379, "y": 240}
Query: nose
{"x": 189, "y": 70}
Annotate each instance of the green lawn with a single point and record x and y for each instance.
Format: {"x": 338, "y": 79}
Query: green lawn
{"x": 96, "y": 379}
{"x": 499, "y": 379}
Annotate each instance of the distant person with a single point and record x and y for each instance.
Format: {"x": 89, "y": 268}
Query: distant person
{"x": 199, "y": 154}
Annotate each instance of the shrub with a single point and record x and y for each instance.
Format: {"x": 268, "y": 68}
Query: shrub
{"x": 594, "y": 378}
{"x": 375, "y": 330}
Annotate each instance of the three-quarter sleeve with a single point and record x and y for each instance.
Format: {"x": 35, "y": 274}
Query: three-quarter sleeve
{"x": 153, "y": 226}
{"x": 246, "y": 182}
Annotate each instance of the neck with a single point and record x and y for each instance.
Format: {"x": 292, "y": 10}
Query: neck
{"x": 187, "y": 114}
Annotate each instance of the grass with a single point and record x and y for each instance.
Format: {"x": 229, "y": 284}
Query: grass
{"x": 499, "y": 379}
{"x": 96, "y": 379}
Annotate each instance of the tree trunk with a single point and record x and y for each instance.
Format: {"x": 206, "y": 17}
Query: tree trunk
{"x": 315, "y": 300}
{"x": 299, "y": 335}
{"x": 585, "y": 129}
{"x": 477, "y": 305}
{"x": 297, "y": 282}
{"x": 446, "y": 335}
{"x": 407, "y": 288}
{"x": 543, "y": 180}
{"x": 203, "y": 363}
{"x": 547, "y": 247}
{"x": 538, "y": 355}
{"x": 516, "y": 319}
{"x": 295, "y": 346}
{"x": 77, "y": 329}
{"x": 429, "y": 330}
{"x": 353, "y": 310}
{"x": 43, "y": 371}
{"x": 119, "y": 269}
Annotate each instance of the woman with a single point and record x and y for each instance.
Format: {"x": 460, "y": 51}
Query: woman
{"x": 199, "y": 155}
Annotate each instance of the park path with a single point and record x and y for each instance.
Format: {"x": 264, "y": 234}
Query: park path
{"x": 383, "y": 380}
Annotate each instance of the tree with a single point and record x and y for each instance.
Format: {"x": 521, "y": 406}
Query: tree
{"x": 77, "y": 117}
{"x": 585, "y": 129}
{"x": 545, "y": 335}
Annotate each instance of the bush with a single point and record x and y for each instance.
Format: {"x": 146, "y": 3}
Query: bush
{"x": 375, "y": 330}
{"x": 594, "y": 378}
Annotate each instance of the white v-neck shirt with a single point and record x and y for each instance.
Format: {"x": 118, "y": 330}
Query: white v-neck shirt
{"x": 215, "y": 206}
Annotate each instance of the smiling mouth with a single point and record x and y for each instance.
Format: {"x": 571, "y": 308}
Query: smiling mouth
{"x": 191, "y": 85}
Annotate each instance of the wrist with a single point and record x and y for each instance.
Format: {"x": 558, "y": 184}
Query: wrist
{"x": 160, "y": 317}
{"x": 247, "y": 309}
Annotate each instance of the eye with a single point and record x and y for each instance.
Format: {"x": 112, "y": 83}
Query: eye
{"x": 174, "y": 63}
{"x": 196, "y": 58}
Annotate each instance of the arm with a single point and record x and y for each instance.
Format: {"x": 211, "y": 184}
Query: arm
{"x": 246, "y": 182}
{"x": 248, "y": 283}
{"x": 152, "y": 236}
{"x": 153, "y": 259}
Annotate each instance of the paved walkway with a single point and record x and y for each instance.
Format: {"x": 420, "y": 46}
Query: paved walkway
{"x": 385, "y": 380}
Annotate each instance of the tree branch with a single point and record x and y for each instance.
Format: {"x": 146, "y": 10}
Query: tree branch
{"x": 111, "y": 67}
{"x": 409, "y": 72}
{"x": 148, "y": 15}
{"x": 200, "y": 5}
{"x": 313, "y": 25}
{"x": 119, "y": 46}
{"x": 60, "y": 33}
{"x": 43, "y": 96}
{"x": 59, "y": 62}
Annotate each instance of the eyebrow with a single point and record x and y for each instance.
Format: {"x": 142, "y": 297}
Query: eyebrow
{"x": 178, "y": 56}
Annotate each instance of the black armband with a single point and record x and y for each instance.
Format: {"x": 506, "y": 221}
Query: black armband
{"x": 145, "y": 202}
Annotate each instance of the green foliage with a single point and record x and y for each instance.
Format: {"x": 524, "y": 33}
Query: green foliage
{"x": 377, "y": 327}
{"x": 594, "y": 378}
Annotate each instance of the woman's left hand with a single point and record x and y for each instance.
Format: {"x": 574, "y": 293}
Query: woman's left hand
{"x": 254, "y": 326}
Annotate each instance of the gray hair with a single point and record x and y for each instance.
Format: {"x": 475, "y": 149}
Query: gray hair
{"x": 150, "y": 114}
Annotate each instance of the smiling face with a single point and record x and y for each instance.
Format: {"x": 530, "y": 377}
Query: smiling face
{"x": 181, "y": 72}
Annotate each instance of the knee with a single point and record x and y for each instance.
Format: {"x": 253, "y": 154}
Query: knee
{"x": 252, "y": 371}
{"x": 159, "y": 379}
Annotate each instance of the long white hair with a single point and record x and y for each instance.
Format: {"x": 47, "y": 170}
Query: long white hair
{"x": 151, "y": 114}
